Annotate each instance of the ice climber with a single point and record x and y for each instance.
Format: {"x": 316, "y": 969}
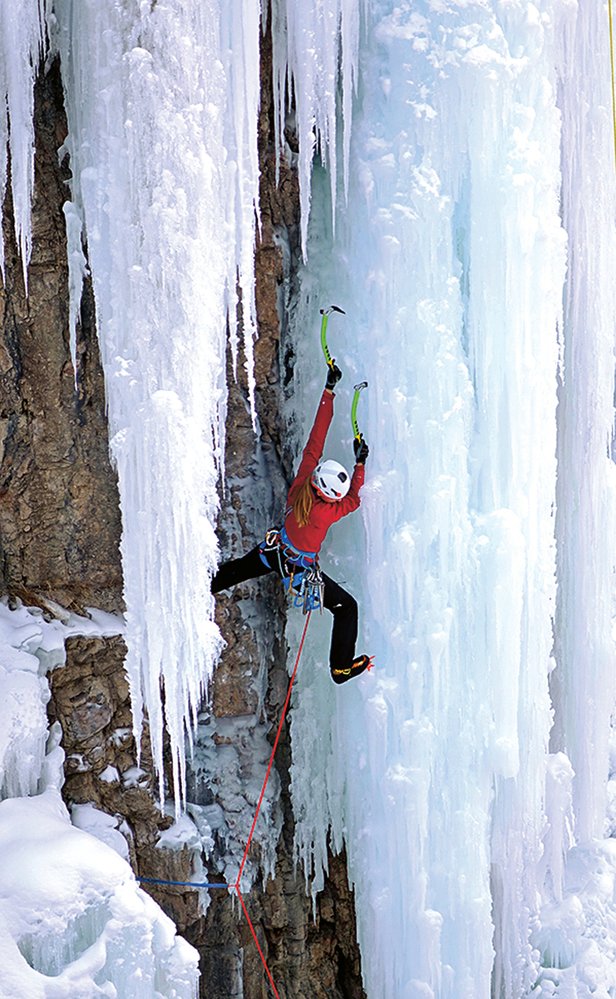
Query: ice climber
{"x": 321, "y": 493}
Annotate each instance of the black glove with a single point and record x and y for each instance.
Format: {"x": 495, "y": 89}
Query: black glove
{"x": 334, "y": 374}
{"x": 361, "y": 450}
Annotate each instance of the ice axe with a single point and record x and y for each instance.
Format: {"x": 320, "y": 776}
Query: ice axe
{"x": 325, "y": 314}
{"x": 356, "y": 394}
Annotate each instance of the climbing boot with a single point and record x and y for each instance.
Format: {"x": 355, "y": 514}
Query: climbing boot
{"x": 359, "y": 664}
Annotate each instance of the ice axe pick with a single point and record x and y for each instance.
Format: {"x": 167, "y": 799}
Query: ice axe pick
{"x": 325, "y": 314}
{"x": 356, "y": 394}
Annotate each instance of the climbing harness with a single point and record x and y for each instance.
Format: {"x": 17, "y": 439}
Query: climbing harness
{"x": 300, "y": 572}
{"x": 236, "y": 887}
{"x": 277, "y": 542}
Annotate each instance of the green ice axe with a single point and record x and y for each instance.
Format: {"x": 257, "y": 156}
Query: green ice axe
{"x": 325, "y": 314}
{"x": 358, "y": 388}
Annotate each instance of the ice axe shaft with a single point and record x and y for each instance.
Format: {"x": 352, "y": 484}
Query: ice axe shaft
{"x": 325, "y": 314}
{"x": 358, "y": 388}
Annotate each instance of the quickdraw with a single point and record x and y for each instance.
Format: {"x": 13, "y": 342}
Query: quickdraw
{"x": 310, "y": 594}
{"x": 300, "y": 572}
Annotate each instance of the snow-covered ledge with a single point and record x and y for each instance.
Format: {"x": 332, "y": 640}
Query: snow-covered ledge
{"x": 73, "y": 921}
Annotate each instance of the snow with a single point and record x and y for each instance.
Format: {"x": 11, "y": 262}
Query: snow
{"x": 104, "y": 827}
{"x": 30, "y": 645}
{"x": 74, "y": 924}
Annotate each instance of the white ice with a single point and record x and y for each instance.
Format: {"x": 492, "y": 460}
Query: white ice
{"x": 452, "y": 261}
{"x": 162, "y": 106}
{"x": 73, "y": 923}
{"x": 22, "y": 37}
{"x": 315, "y": 53}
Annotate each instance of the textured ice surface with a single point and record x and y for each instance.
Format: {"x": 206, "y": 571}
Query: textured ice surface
{"x": 471, "y": 186}
{"x": 161, "y": 103}
{"x": 451, "y": 261}
{"x": 73, "y": 922}
{"x": 22, "y": 35}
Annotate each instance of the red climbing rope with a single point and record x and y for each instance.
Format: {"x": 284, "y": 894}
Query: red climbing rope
{"x": 256, "y": 940}
{"x": 236, "y": 887}
{"x": 274, "y": 748}
{"x": 260, "y": 802}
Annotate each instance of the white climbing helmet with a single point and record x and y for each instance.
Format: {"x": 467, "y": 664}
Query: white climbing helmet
{"x": 331, "y": 480}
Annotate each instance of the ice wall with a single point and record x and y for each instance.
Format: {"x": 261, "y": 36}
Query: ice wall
{"x": 450, "y": 260}
{"x": 161, "y": 102}
{"x": 443, "y": 180}
{"x": 73, "y": 922}
{"x": 585, "y": 682}
{"x": 315, "y": 65}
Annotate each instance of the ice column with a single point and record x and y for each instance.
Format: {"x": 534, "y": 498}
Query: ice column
{"x": 315, "y": 53}
{"x": 22, "y": 33}
{"x": 585, "y": 682}
{"x": 161, "y": 103}
{"x": 450, "y": 261}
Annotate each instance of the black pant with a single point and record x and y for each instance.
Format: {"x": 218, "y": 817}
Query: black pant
{"x": 341, "y": 604}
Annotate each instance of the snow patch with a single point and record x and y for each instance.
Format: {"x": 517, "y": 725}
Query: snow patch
{"x": 73, "y": 922}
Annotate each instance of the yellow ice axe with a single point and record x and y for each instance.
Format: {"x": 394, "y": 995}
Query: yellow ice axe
{"x": 325, "y": 314}
{"x": 358, "y": 388}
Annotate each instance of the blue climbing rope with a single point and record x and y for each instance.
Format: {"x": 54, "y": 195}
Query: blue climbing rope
{"x": 183, "y": 884}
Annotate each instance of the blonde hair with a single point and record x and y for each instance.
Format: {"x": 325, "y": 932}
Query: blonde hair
{"x": 302, "y": 504}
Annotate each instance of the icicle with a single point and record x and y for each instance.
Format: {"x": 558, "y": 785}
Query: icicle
{"x": 240, "y": 33}
{"x": 586, "y": 500}
{"x": 77, "y": 270}
{"x": 22, "y": 34}
{"x": 162, "y": 105}
{"x": 321, "y": 56}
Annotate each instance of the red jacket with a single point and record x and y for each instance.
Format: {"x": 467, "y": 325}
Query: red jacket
{"x": 323, "y": 514}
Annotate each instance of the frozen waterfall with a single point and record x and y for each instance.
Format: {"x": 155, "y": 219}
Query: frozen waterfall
{"x": 161, "y": 104}
{"x": 480, "y": 198}
{"x": 458, "y": 201}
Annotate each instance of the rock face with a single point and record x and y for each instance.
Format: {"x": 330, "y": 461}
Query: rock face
{"x": 59, "y": 515}
{"x": 60, "y": 529}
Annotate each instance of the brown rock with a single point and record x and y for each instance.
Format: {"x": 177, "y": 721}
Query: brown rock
{"x": 84, "y": 712}
{"x": 59, "y": 513}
